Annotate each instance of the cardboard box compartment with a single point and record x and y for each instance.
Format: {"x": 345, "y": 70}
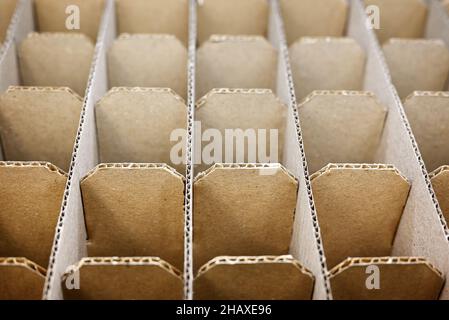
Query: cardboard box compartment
{"x": 221, "y": 150}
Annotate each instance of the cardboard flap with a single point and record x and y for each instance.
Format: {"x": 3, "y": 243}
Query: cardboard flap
{"x": 53, "y": 15}
{"x": 243, "y": 109}
{"x": 440, "y": 182}
{"x": 30, "y": 203}
{"x": 123, "y": 279}
{"x": 399, "y": 278}
{"x": 144, "y": 60}
{"x": 445, "y": 4}
{"x": 7, "y": 8}
{"x": 243, "y": 210}
{"x": 236, "y": 62}
{"x": 359, "y": 208}
{"x": 39, "y": 124}
{"x": 135, "y": 210}
{"x": 326, "y": 64}
{"x": 155, "y": 16}
{"x": 428, "y": 113}
{"x": 21, "y": 279}
{"x": 400, "y": 18}
{"x": 326, "y": 117}
{"x": 135, "y": 125}
{"x": 232, "y": 17}
{"x": 417, "y": 65}
{"x": 56, "y": 60}
{"x": 253, "y": 278}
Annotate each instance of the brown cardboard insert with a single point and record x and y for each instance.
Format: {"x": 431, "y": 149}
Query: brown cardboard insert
{"x": 7, "y": 8}
{"x": 123, "y": 279}
{"x": 258, "y": 278}
{"x": 148, "y": 60}
{"x": 417, "y": 64}
{"x": 39, "y": 124}
{"x": 56, "y": 59}
{"x": 232, "y": 17}
{"x": 244, "y": 62}
{"x": 135, "y": 125}
{"x": 440, "y": 183}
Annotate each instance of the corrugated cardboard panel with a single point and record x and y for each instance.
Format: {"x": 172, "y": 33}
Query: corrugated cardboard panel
{"x": 440, "y": 183}
{"x": 417, "y": 65}
{"x": 326, "y": 64}
{"x": 254, "y": 278}
{"x": 310, "y": 18}
{"x": 31, "y": 199}
{"x": 359, "y": 208}
{"x": 134, "y": 125}
{"x": 7, "y": 8}
{"x": 39, "y": 124}
{"x": 428, "y": 113}
{"x": 68, "y": 56}
{"x": 20, "y": 279}
{"x": 135, "y": 210}
{"x": 124, "y": 279}
{"x": 243, "y": 210}
{"x": 243, "y": 62}
{"x": 146, "y": 60}
{"x": 399, "y": 279}
{"x": 325, "y": 119}
{"x": 232, "y": 17}
{"x": 52, "y": 16}
{"x": 154, "y": 16}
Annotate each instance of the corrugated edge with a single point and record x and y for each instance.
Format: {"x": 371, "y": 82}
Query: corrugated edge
{"x": 45, "y": 89}
{"x": 351, "y": 262}
{"x": 438, "y": 171}
{"x": 33, "y": 164}
{"x": 142, "y": 90}
{"x": 230, "y": 260}
{"x": 293, "y": 105}
{"x": 188, "y": 206}
{"x": 98, "y": 48}
{"x": 443, "y": 94}
{"x": 25, "y": 263}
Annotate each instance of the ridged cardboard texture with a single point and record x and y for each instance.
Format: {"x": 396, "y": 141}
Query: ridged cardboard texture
{"x": 39, "y": 124}
{"x": 155, "y": 16}
{"x": 359, "y": 208}
{"x": 144, "y": 60}
{"x": 135, "y": 210}
{"x": 253, "y": 278}
{"x": 243, "y": 62}
{"x": 232, "y": 17}
{"x": 134, "y": 125}
{"x": 243, "y": 210}
{"x": 67, "y": 55}
{"x": 7, "y": 8}
{"x": 326, "y": 64}
{"x": 314, "y": 18}
{"x": 440, "y": 183}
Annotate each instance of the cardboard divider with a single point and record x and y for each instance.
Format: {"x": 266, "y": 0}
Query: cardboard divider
{"x": 260, "y": 278}
{"x": 7, "y": 8}
{"x": 123, "y": 279}
{"x": 440, "y": 183}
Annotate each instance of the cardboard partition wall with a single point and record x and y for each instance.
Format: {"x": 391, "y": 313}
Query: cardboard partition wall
{"x": 7, "y": 8}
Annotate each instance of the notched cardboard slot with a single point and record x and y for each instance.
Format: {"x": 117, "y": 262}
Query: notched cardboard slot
{"x": 134, "y": 125}
{"x": 243, "y": 109}
{"x": 56, "y": 15}
{"x": 7, "y": 8}
{"x": 232, "y": 17}
{"x": 327, "y": 64}
{"x": 440, "y": 183}
{"x": 136, "y": 278}
{"x": 399, "y": 18}
{"x": 236, "y": 62}
{"x": 135, "y": 210}
{"x": 314, "y": 18}
{"x": 341, "y": 127}
{"x": 21, "y": 279}
{"x": 359, "y": 208}
{"x": 145, "y": 60}
{"x": 428, "y": 113}
{"x": 56, "y": 60}
{"x": 243, "y": 209}
{"x": 398, "y": 278}
{"x": 253, "y": 278}
{"x": 29, "y": 209}
{"x": 417, "y": 64}
{"x": 154, "y": 16}
{"x": 39, "y": 124}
